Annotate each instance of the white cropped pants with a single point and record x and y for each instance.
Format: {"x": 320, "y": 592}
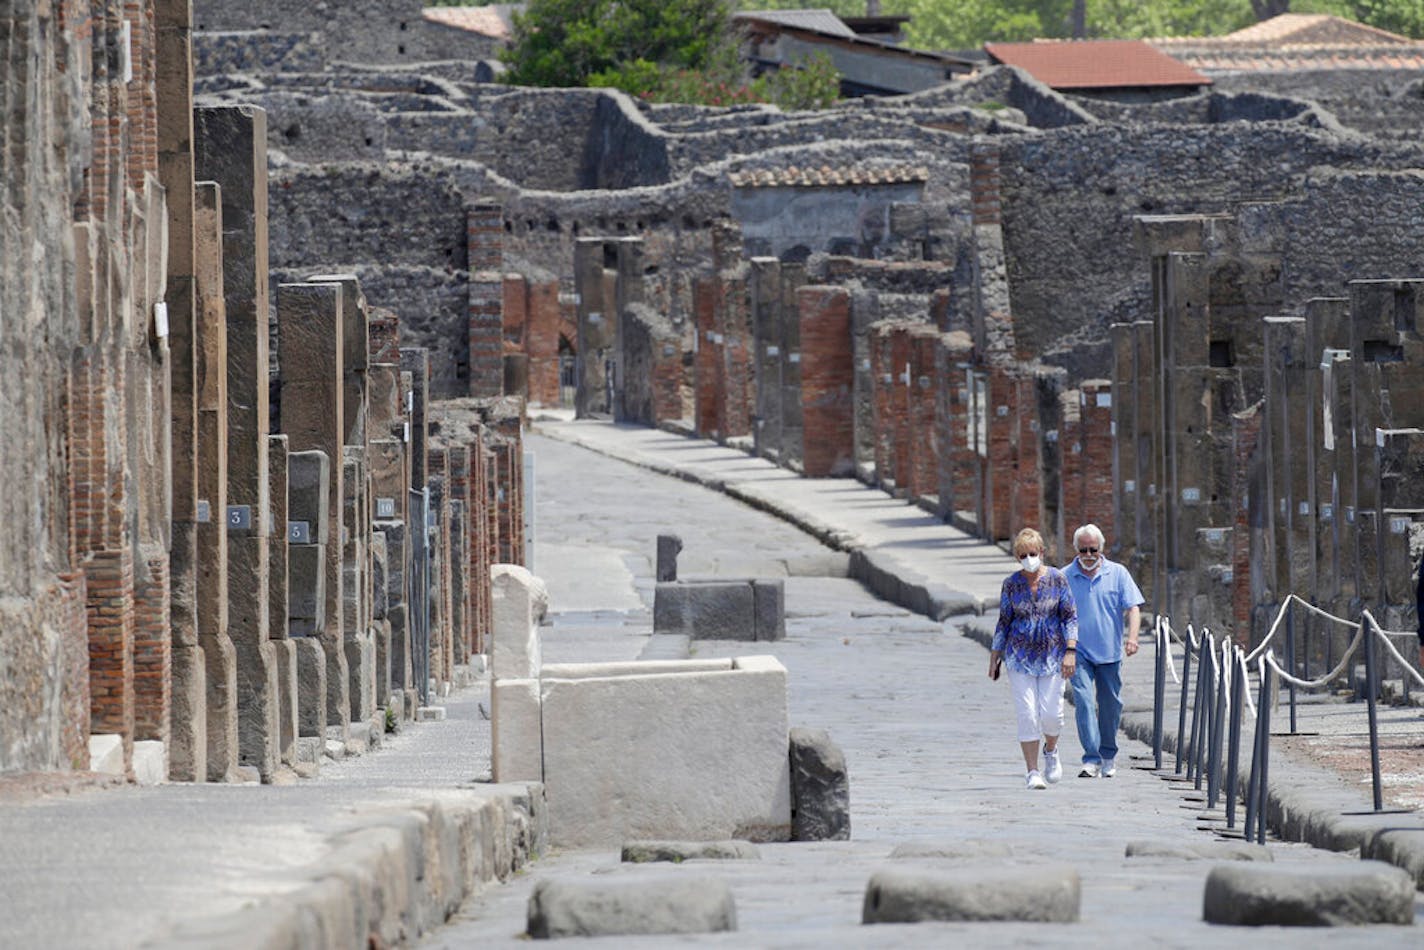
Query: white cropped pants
{"x": 1038, "y": 703}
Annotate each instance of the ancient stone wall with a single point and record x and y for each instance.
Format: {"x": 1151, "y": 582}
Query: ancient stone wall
{"x": 1064, "y": 299}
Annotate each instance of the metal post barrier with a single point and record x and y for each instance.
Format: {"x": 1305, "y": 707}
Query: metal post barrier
{"x": 1233, "y": 754}
{"x": 1198, "y": 700}
{"x": 1371, "y": 700}
{"x": 1208, "y": 712}
{"x": 1263, "y": 717}
{"x": 1290, "y": 661}
{"x": 1159, "y": 691}
{"x": 1182, "y": 706}
{"x": 1218, "y": 723}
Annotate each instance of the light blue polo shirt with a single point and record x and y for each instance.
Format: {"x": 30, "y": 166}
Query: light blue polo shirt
{"x": 1102, "y": 600}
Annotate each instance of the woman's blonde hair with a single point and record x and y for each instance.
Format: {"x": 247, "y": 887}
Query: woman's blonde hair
{"x": 1028, "y": 538}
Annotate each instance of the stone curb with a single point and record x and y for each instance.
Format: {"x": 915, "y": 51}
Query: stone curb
{"x": 1303, "y": 802}
{"x": 397, "y": 872}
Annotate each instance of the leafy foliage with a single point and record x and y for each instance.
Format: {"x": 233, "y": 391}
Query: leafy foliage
{"x": 812, "y": 84}
{"x": 563, "y": 42}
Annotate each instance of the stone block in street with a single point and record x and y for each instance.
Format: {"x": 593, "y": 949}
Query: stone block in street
{"x": 1042, "y": 894}
{"x": 820, "y": 788}
{"x": 644, "y": 852}
{"x": 1367, "y": 892}
{"x": 695, "y": 749}
{"x": 632, "y": 905}
{"x": 962, "y": 849}
{"x": 769, "y": 609}
{"x": 1199, "y": 850}
{"x": 669, "y": 546}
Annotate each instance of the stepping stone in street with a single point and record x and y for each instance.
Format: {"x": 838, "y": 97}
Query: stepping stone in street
{"x": 961, "y": 849}
{"x": 642, "y": 852}
{"x": 1046, "y": 894}
{"x": 1364, "y": 892}
{"x": 631, "y": 905}
{"x": 1198, "y": 850}
{"x": 820, "y": 788}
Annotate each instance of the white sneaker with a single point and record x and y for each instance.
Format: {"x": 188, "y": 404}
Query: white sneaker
{"x": 1052, "y": 768}
{"x": 1109, "y": 768}
{"x": 1035, "y": 780}
{"x": 1089, "y": 770}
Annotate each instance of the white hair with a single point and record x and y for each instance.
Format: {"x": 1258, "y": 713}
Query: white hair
{"x": 1089, "y": 529}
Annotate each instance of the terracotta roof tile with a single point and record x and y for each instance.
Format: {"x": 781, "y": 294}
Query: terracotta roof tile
{"x": 1096, "y": 64}
{"x": 486, "y": 21}
{"x": 826, "y": 176}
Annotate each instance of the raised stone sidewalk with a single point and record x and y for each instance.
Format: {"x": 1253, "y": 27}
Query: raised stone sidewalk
{"x": 913, "y": 559}
{"x": 385, "y": 845}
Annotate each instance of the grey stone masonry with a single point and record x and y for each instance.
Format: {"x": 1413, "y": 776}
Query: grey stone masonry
{"x": 647, "y": 905}
{"x": 308, "y": 475}
{"x": 230, "y": 147}
{"x": 732, "y": 609}
{"x": 284, "y": 651}
{"x": 309, "y": 334}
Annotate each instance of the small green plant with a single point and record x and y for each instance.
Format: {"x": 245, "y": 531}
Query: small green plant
{"x": 390, "y": 719}
{"x": 991, "y": 105}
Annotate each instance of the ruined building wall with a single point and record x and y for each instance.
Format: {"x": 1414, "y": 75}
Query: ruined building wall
{"x": 85, "y": 430}
{"x": 1071, "y": 265}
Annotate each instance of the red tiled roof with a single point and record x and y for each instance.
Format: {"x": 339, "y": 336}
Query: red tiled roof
{"x": 1096, "y": 64}
{"x": 483, "y": 20}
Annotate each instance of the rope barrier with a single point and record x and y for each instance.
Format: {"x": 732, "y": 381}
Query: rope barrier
{"x": 1325, "y": 680}
{"x": 1384, "y": 638}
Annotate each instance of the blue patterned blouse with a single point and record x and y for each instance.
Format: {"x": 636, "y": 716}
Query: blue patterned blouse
{"x": 1034, "y": 627}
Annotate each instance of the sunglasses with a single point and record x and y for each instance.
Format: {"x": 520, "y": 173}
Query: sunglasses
{"x": 1087, "y": 550}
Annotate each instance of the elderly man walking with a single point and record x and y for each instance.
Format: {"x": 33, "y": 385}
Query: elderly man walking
{"x": 1104, "y": 594}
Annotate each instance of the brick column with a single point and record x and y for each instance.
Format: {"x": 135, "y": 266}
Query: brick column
{"x": 958, "y": 467}
{"x": 485, "y": 235}
{"x": 827, "y": 368}
{"x": 707, "y": 364}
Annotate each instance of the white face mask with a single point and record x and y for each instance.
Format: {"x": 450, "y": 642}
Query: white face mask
{"x": 1030, "y": 563}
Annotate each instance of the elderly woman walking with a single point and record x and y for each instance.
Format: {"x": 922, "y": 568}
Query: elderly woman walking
{"x": 1036, "y": 637}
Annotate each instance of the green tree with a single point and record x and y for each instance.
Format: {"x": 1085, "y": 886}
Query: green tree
{"x": 1397, "y": 16}
{"x": 563, "y": 42}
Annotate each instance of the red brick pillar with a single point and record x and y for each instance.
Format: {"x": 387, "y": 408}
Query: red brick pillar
{"x": 1094, "y": 451}
{"x": 541, "y": 342}
{"x": 707, "y": 363}
{"x": 924, "y": 447}
{"x": 827, "y": 375}
{"x": 485, "y": 241}
{"x": 957, "y": 458}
